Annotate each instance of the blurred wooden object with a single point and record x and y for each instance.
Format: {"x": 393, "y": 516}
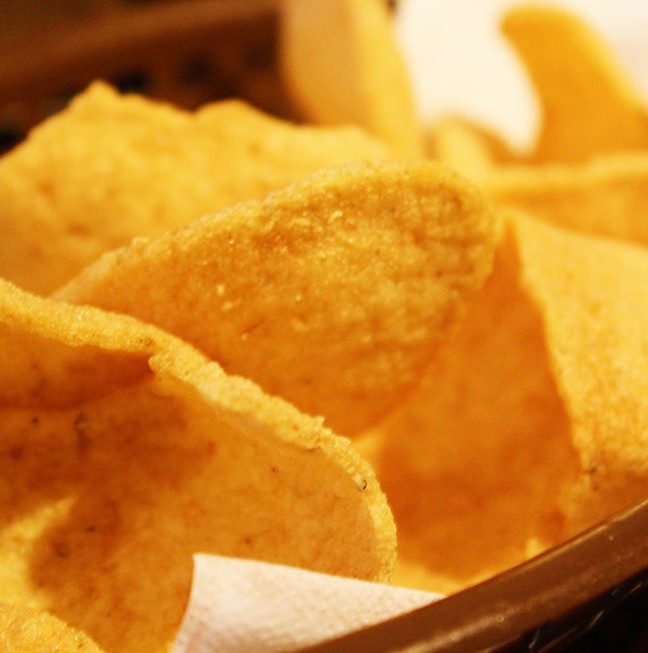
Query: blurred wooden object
{"x": 187, "y": 52}
{"x": 19, "y": 18}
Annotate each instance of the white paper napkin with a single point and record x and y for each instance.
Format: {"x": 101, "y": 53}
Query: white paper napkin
{"x": 244, "y": 606}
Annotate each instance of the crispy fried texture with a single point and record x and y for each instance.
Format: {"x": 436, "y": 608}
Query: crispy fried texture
{"x": 342, "y": 65}
{"x": 112, "y": 167}
{"x": 595, "y": 305}
{"x": 333, "y": 292}
{"x": 589, "y": 105}
{"x": 140, "y": 452}
{"x": 532, "y": 423}
{"x": 32, "y": 631}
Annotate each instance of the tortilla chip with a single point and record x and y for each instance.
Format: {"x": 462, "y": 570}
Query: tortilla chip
{"x": 342, "y": 65}
{"x": 532, "y": 423}
{"x": 469, "y": 148}
{"x": 333, "y": 292}
{"x": 124, "y": 451}
{"x": 31, "y": 631}
{"x": 112, "y": 167}
{"x": 588, "y": 103}
{"x": 590, "y": 168}
{"x": 606, "y": 196}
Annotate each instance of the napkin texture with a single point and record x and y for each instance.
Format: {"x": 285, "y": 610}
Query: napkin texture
{"x": 242, "y": 606}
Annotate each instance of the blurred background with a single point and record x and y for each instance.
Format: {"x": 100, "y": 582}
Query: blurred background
{"x": 184, "y": 51}
{"x": 459, "y": 63}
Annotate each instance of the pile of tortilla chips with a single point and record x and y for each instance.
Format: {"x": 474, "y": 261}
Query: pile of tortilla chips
{"x": 223, "y": 333}
{"x": 588, "y": 170}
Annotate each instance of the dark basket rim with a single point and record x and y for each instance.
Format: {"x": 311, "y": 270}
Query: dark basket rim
{"x": 562, "y": 591}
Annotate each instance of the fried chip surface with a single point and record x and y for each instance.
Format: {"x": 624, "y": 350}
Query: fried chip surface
{"x": 333, "y": 292}
{"x": 589, "y": 106}
{"x": 124, "y": 451}
{"x": 342, "y": 65}
{"x": 112, "y": 167}
{"x": 31, "y": 631}
{"x": 596, "y": 311}
{"x": 531, "y": 424}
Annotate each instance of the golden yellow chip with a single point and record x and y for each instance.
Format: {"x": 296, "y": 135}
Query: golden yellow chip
{"x": 467, "y": 147}
{"x": 588, "y": 104}
{"x": 333, "y": 292}
{"x": 342, "y": 65}
{"x": 532, "y": 424}
{"x": 124, "y": 451}
{"x": 112, "y": 167}
{"x": 606, "y": 196}
{"x": 590, "y": 168}
{"x": 32, "y": 631}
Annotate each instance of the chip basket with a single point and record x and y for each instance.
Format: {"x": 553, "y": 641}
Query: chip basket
{"x": 589, "y": 595}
